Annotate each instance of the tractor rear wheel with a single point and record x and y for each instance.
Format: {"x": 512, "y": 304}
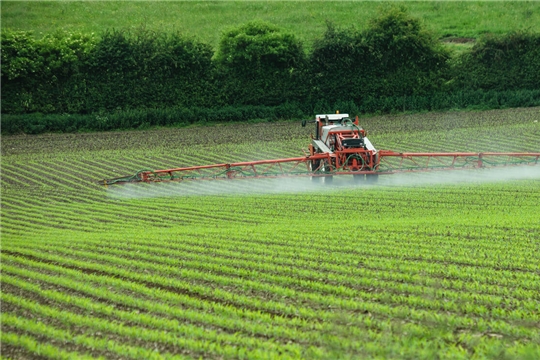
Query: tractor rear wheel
{"x": 359, "y": 178}
{"x": 325, "y": 169}
{"x": 314, "y": 167}
{"x": 372, "y": 178}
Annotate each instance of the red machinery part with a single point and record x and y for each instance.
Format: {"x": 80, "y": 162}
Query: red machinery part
{"x": 339, "y": 147}
{"x": 388, "y": 162}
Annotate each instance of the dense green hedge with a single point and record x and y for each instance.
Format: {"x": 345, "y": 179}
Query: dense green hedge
{"x": 508, "y": 62}
{"x": 37, "y": 123}
{"x": 45, "y": 75}
{"x": 69, "y": 73}
{"x": 131, "y": 79}
{"x": 148, "y": 70}
{"x": 393, "y": 57}
{"x": 259, "y": 64}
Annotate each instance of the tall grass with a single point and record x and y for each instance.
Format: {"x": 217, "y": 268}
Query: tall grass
{"x": 306, "y": 19}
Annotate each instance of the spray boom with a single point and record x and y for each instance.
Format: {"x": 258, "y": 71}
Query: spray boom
{"x": 339, "y": 146}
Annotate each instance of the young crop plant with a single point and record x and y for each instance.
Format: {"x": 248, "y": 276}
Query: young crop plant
{"x": 419, "y": 266}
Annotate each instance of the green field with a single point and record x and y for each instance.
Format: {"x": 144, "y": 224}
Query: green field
{"x": 434, "y": 265}
{"x": 306, "y": 19}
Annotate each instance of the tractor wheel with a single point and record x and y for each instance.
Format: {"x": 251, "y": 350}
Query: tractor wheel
{"x": 314, "y": 166}
{"x": 327, "y": 179}
{"x": 360, "y": 179}
{"x": 372, "y": 178}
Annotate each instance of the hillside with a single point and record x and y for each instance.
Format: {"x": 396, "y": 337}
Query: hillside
{"x": 458, "y": 22}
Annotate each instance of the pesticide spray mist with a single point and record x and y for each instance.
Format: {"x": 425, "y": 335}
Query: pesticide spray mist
{"x": 306, "y": 185}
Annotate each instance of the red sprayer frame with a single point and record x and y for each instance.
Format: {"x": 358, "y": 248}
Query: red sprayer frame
{"x": 387, "y": 162}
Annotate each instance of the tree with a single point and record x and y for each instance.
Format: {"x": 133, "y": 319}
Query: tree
{"x": 409, "y": 58}
{"x": 260, "y": 64}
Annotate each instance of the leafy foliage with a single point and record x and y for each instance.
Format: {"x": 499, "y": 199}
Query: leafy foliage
{"x": 338, "y": 66}
{"x": 132, "y": 77}
{"x": 394, "y": 56}
{"x": 45, "y": 75}
{"x": 38, "y": 123}
{"x": 504, "y": 62}
{"x": 260, "y": 64}
{"x": 148, "y": 70}
{"x": 72, "y": 73}
{"x": 407, "y": 58}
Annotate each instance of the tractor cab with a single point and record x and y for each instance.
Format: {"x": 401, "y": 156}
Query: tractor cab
{"x": 338, "y": 131}
{"x": 345, "y": 144}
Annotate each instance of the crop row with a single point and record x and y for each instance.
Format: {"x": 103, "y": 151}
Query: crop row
{"x": 63, "y": 168}
{"x": 363, "y": 321}
{"x": 494, "y": 310}
{"x": 489, "y": 139}
{"x": 498, "y": 239}
{"x": 418, "y": 266}
{"x": 176, "y": 335}
{"x": 247, "y": 293}
{"x": 311, "y": 269}
{"x": 378, "y": 202}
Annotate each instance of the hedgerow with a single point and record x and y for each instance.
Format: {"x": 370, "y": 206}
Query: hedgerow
{"x": 260, "y": 64}
{"x": 37, "y": 123}
{"x": 124, "y": 79}
{"x": 45, "y": 75}
{"x": 500, "y": 63}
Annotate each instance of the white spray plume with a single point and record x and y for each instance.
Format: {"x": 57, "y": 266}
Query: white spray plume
{"x": 305, "y": 184}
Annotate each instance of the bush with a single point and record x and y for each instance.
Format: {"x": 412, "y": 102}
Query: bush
{"x": 338, "y": 65}
{"x": 143, "y": 118}
{"x": 259, "y": 64}
{"x": 394, "y": 56}
{"x": 149, "y": 70}
{"x": 406, "y": 58}
{"x": 45, "y": 75}
{"x": 74, "y": 73}
{"x": 505, "y": 62}
{"x": 135, "y": 79}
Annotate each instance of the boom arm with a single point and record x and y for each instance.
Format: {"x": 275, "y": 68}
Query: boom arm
{"x": 388, "y": 162}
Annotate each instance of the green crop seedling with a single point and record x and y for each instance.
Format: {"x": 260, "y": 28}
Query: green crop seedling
{"x": 418, "y": 266}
